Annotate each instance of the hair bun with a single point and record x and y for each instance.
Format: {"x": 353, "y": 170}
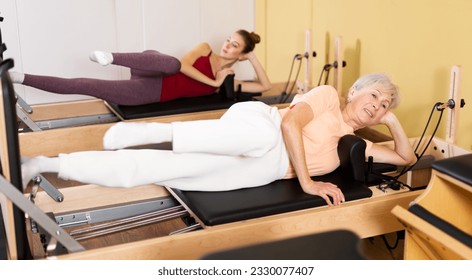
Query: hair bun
{"x": 255, "y": 38}
{"x": 250, "y": 40}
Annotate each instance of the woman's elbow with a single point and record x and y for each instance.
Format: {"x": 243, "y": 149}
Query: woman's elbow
{"x": 184, "y": 66}
{"x": 266, "y": 87}
{"x": 405, "y": 160}
{"x": 411, "y": 159}
{"x": 287, "y": 126}
{"x": 260, "y": 87}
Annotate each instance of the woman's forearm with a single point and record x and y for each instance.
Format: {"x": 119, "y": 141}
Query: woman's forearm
{"x": 292, "y": 132}
{"x": 263, "y": 83}
{"x": 292, "y": 129}
{"x": 402, "y": 144}
{"x": 296, "y": 152}
{"x": 292, "y": 126}
{"x": 193, "y": 73}
{"x": 189, "y": 59}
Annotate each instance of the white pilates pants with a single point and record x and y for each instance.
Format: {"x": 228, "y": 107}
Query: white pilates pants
{"x": 242, "y": 149}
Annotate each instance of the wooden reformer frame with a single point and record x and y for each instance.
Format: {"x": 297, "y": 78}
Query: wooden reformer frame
{"x": 366, "y": 217}
{"x": 95, "y": 111}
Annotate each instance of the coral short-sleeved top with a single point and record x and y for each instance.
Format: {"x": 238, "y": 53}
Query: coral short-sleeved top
{"x": 322, "y": 133}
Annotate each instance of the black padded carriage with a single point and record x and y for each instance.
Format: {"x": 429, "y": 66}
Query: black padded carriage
{"x": 219, "y": 100}
{"x": 214, "y": 208}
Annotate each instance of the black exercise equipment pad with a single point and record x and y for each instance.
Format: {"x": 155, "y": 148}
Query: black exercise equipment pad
{"x": 441, "y": 224}
{"x": 223, "y": 99}
{"x": 459, "y": 167}
{"x": 180, "y": 106}
{"x": 330, "y": 245}
{"x": 214, "y": 208}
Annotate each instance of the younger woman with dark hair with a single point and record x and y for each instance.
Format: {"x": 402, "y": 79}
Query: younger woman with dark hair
{"x": 157, "y": 77}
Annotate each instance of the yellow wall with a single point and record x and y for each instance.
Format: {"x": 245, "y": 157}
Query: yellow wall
{"x": 415, "y": 42}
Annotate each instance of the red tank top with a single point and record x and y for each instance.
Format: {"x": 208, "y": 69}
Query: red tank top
{"x": 180, "y": 85}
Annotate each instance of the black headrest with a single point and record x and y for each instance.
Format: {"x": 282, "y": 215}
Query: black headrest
{"x": 227, "y": 88}
{"x": 351, "y": 152}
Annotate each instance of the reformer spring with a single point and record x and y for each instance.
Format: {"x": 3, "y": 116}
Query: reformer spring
{"x": 128, "y": 223}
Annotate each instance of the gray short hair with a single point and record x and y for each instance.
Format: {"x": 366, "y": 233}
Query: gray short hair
{"x": 383, "y": 82}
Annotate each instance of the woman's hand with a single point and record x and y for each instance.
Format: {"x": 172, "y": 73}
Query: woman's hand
{"x": 326, "y": 191}
{"x": 262, "y": 83}
{"x": 389, "y": 118}
{"x": 247, "y": 56}
{"x": 402, "y": 153}
{"x": 221, "y": 76}
{"x": 189, "y": 70}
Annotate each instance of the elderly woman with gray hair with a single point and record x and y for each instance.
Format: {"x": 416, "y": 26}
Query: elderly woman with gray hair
{"x": 252, "y": 144}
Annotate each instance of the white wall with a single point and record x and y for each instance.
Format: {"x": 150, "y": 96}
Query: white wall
{"x": 54, "y": 37}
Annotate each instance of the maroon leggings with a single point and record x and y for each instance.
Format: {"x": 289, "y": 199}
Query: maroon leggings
{"x": 144, "y": 86}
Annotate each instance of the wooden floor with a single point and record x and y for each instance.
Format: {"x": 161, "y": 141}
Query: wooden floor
{"x": 386, "y": 247}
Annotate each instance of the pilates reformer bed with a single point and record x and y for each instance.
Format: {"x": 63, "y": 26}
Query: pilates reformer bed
{"x": 367, "y": 213}
{"x": 89, "y": 112}
{"x": 290, "y": 191}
